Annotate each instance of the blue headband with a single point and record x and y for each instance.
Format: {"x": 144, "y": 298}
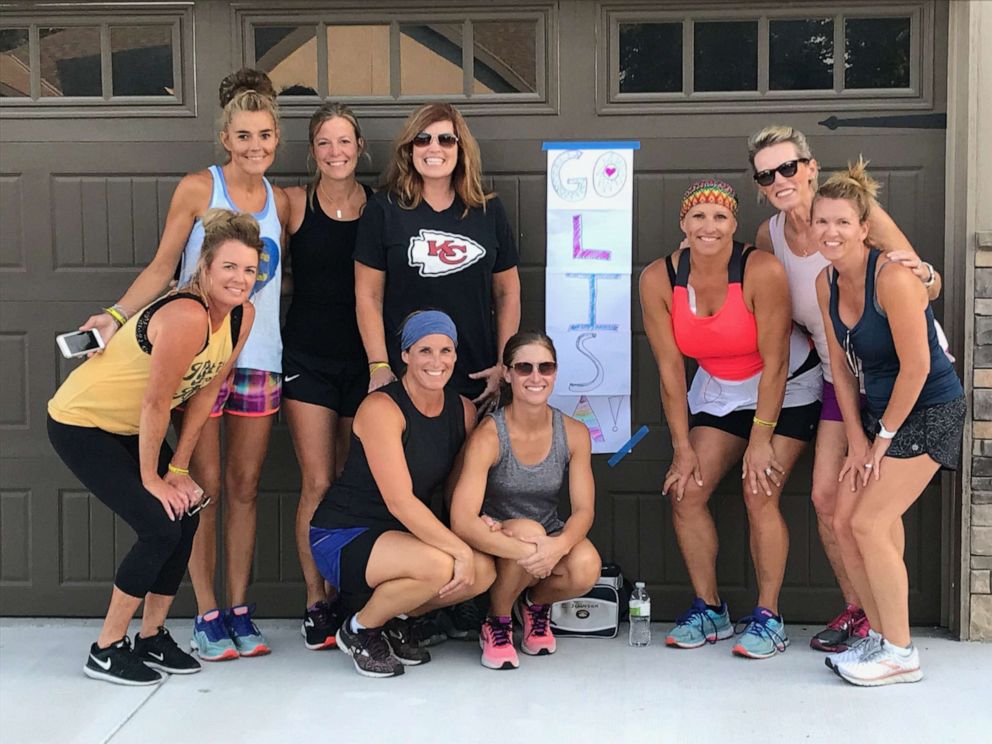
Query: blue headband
{"x": 424, "y": 324}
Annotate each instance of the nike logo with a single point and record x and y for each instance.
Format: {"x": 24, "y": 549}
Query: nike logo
{"x": 309, "y": 622}
{"x": 157, "y": 657}
{"x": 104, "y": 665}
{"x": 289, "y": 378}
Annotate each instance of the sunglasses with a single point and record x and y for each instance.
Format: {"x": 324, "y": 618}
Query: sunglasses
{"x": 195, "y": 509}
{"x": 787, "y": 169}
{"x": 445, "y": 139}
{"x": 853, "y": 363}
{"x": 546, "y": 369}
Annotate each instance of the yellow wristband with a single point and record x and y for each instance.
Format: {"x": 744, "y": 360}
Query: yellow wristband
{"x": 116, "y": 314}
{"x": 374, "y": 366}
{"x": 762, "y": 422}
{"x": 178, "y": 470}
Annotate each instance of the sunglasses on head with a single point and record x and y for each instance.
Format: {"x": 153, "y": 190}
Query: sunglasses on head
{"x": 787, "y": 169}
{"x": 544, "y": 368}
{"x": 445, "y": 139}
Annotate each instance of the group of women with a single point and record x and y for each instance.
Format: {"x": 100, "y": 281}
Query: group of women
{"x": 403, "y": 377}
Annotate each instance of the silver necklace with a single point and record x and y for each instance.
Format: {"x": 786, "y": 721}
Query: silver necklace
{"x": 337, "y": 212}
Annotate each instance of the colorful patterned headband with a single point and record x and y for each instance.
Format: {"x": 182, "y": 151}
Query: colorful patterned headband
{"x": 710, "y": 191}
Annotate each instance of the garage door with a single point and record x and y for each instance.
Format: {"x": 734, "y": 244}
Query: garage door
{"x": 91, "y": 154}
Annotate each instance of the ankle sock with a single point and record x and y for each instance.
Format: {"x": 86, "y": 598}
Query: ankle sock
{"x": 355, "y": 625}
{"x": 717, "y": 608}
{"x": 902, "y": 651}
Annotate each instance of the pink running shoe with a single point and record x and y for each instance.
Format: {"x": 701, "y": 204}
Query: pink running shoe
{"x": 844, "y": 630}
{"x": 496, "y": 639}
{"x": 538, "y": 639}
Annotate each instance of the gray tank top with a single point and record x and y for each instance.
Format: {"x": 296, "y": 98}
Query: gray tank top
{"x": 518, "y": 491}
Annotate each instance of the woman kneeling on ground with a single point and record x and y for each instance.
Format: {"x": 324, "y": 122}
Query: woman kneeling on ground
{"x": 108, "y": 422}
{"x": 506, "y": 503}
{"x": 879, "y": 323}
{"x": 374, "y": 531}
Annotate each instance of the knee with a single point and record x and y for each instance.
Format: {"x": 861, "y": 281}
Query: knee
{"x": 824, "y": 500}
{"x": 585, "y": 571}
{"x": 485, "y": 573}
{"x": 693, "y": 502}
{"x": 242, "y": 485}
{"x": 841, "y": 524}
{"x": 865, "y": 526}
{"x": 759, "y": 505}
{"x": 164, "y": 537}
{"x": 524, "y": 528}
{"x": 313, "y": 488}
{"x": 435, "y": 568}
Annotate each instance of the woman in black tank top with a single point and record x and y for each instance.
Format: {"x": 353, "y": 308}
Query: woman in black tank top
{"x": 375, "y": 526}
{"x": 515, "y": 465}
{"x": 325, "y": 376}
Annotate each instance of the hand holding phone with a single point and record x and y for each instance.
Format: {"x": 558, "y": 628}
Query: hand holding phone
{"x": 79, "y": 343}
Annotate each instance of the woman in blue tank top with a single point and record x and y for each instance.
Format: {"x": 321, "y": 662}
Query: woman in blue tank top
{"x": 879, "y": 324}
{"x": 506, "y": 504}
{"x": 250, "y": 397}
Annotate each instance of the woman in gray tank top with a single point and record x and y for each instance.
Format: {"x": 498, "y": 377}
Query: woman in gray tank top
{"x": 506, "y": 504}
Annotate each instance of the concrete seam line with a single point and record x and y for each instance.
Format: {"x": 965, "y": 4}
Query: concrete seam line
{"x": 134, "y": 712}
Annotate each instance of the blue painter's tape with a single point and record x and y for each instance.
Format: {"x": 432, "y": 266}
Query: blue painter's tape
{"x": 620, "y": 145}
{"x": 627, "y": 447}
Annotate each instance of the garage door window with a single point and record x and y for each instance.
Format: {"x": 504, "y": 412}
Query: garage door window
{"x": 681, "y": 58}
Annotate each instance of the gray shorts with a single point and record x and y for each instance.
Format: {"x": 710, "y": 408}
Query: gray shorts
{"x": 934, "y": 430}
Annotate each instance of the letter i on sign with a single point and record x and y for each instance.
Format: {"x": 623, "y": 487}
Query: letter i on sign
{"x": 577, "y": 250}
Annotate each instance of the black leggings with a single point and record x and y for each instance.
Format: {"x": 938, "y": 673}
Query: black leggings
{"x": 108, "y": 465}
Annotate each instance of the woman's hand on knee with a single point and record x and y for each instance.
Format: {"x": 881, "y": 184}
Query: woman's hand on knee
{"x": 173, "y": 501}
{"x": 547, "y": 554}
{"x": 463, "y": 574}
{"x": 685, "y": 465}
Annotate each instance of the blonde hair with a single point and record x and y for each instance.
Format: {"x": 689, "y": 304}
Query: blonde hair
{"x": 322, "y": 115}
{"x": 247, "y": 90}
{"x": 853, "y": 185}
{"x": 404, "y": 182}
{"x": 777, "y": 134}
{"x": 219, "y": 227}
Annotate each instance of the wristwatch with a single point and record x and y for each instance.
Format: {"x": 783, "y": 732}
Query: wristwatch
{"x": 885, "y": 433}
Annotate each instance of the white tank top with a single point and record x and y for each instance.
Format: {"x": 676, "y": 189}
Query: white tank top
{"x": 802, "y": 272}
{"x": 263, "y": 349}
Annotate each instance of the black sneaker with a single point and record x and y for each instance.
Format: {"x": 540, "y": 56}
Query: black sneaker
{"x": 397, "y": 632}
{"x": 425, "y": 631}
{"x": 369, "y": 650}
{"x": 118, "y": 664}
{"x": 320, "y": 623}
{"x": 161, "y": 652}
{"x": 462, "y": 622}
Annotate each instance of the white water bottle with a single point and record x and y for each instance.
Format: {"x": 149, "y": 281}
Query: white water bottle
{"x": 640, "y": 616}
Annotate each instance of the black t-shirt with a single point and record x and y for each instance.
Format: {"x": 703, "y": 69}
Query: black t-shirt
{"x": 442, "y": 261}
{"x": 430, "y": 444}
{"x": 321, "y": 318}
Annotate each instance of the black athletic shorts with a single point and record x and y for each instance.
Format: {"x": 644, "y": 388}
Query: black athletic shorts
{"x": 934, "y": 430}
{"x": 798, "y": 422}
{"x": 340, "y": 386}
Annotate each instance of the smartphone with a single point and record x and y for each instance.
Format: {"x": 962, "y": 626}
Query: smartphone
{"x": 79, "y": 343}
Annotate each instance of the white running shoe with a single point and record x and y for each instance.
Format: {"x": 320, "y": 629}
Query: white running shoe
{"x": 883, "y": 667}
{"x": 864, "y": 647}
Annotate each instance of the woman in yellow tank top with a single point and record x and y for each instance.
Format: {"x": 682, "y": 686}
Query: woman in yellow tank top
{"x": 108, "y": 423}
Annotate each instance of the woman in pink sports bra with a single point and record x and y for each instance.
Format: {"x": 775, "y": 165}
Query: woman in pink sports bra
{"x": 755, "y": 397}
{"x": 785, "y": 173}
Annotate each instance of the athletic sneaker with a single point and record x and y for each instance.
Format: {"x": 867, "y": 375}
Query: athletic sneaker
{"x": 461, "y": 622}
{"x": 211, "y": 640}
{"x": 119, "y": 664}
{"x": 320, "y": 623}
{"x": 884, "y": 666}
{"x": 425, "y": 630}
{"x": 855, "y": 651}
{"x": 397, "y": 633}
{"x": 700, "y": 625}
{"x": 369, "y": 650}
{"x": 537, "y": 640}
{"x": 161, "y": 652}
{"x": 496, "y": 640}
{"x": 248, "y": 639}
{"x": 847, "y": 627}
{"x": 763, "y": 635}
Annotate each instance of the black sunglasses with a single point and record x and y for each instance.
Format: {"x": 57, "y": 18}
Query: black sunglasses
{"x": 853, "y": 363}
{"x": 445, "y": 139}
{"x": 544, "y": 368}
{"x": 196, "y": 508}
{"x": 787, "y": 169}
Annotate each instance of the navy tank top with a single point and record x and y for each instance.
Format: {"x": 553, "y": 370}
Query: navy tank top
{"x": 518, "y": 491}
{"x": 871, "y": 340}
{"x": 430, "y": 445}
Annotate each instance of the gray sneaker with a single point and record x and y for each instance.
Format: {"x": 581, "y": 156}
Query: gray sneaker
{"x": 855, "y": 652}
{"x": 369, "y": 650}
{"x": 397, "y": 634}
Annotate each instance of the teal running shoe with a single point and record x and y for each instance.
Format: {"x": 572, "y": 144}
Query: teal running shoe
{"x": 700, "y": 625}
{"x": 763, "y": 635}
{"x": 248, "y": 639}
{"x": 210, "y": 638}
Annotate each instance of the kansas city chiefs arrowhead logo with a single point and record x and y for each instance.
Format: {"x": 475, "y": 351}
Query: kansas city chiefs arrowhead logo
{"x": 439, "y": 253}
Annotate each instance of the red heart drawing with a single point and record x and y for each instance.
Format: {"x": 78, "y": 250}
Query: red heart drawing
{"x": 610, "y": 170}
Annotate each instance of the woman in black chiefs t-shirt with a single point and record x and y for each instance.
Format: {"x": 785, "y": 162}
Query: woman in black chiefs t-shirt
{"x": 433, "y": 238}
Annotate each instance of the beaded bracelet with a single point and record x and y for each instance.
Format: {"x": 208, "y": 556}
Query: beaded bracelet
{"x": 178, "y": 470}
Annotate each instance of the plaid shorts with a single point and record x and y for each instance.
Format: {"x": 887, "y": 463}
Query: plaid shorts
{"x": 249, "y": 392}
